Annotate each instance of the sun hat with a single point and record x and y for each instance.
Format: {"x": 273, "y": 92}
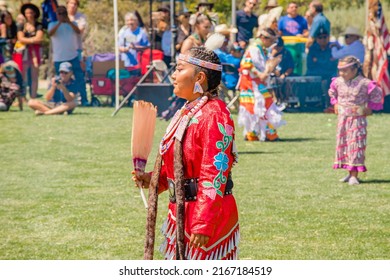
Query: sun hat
{"x": 272, "y": 4}
{"x": 350, "y": 30}
{"x": 204, "y": 3}
{"x": 65, "y": 66}
{"x": 10, "y": 63}
{"x": 224, "y": 29}
{"x": 32, "y": 7}
{"x": 164, "y": 8}
{"x": 273, "y": 14}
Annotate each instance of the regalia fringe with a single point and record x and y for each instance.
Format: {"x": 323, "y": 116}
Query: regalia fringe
{"x": 152, "y": 210}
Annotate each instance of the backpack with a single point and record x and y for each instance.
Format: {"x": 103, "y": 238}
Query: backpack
{"x": 49, "y": 8}
{"x": 123, "y": 74}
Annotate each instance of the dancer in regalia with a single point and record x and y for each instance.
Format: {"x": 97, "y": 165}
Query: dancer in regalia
{"x": 354, "y": 97}
{"x": 258, "y": 114}
{"x": 194, "y": 164}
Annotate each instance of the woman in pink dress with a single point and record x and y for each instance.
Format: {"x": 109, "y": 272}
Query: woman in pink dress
{"x": 354, "y": 97}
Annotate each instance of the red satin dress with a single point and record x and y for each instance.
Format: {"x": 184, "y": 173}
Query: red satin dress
{"x": 208, "y": 155}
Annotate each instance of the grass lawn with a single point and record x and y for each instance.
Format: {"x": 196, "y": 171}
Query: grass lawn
{"x": 66, "y": 192}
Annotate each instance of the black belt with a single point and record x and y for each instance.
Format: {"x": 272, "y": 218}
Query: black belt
{"x": 191, "y": 188}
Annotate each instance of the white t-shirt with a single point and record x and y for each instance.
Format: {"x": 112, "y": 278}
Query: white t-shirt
{"x": 64, "y": 42}
{"x": 81, "y": 21}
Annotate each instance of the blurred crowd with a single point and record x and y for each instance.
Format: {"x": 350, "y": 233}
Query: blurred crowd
{"x": 311, "y": 32}
{"x": 22, "y": 36}
{"x": 21, "y": 56}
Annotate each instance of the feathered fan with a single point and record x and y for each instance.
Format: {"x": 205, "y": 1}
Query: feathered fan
{"x": 144, "y": 121}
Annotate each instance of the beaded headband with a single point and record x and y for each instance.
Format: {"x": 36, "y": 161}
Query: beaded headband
{"x": 347, "y": 65}
{"x": 201, "y": 63}
{"x": 268, "y": 35}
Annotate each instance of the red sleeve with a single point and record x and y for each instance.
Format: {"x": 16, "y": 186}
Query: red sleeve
{"x": 162, "y": 180}
{"x": 216, "y": 137}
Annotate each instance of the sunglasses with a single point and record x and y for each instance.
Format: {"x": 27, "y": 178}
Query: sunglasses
{"x": 265, "y": 37}
{"x": 348, "y": 36}
{"x": 322, "y": 37}
{"x": 63, "y": 72}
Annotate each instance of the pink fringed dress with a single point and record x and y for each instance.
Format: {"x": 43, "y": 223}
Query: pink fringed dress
{"x": 352, "y": 97}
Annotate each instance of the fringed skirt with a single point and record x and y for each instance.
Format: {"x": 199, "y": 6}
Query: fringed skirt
{"x": 258, "y": 114}
{"x": 222, "y": 246}
{"x": 351, "y": 143}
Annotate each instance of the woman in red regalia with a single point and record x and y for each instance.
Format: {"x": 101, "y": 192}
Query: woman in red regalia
{"x": 194, "y": 164}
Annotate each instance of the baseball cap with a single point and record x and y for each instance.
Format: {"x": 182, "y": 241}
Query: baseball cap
{"x": 66, "y": 67}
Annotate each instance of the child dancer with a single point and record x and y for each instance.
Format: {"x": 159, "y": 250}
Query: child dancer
{"x": 354, "y": 97}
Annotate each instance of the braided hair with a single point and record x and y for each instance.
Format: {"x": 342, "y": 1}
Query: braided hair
{"x": 213, "y": 76}
{"x": 356, "y": 64}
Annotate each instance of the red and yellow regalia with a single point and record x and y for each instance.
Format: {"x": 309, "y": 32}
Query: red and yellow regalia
{"x": 208, "y": 156}
{"x": 258, "y": 114}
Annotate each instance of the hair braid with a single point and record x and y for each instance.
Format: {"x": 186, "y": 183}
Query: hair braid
{"x": 152, "y": 210}
{"x": 180, "y": 199}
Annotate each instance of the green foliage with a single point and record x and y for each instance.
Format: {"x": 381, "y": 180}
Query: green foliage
{"x": 66, "y": 190}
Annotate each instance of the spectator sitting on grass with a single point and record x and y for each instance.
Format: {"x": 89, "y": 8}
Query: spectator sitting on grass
{"x": 61, "y": 96}
{"x": 11, "y": 85}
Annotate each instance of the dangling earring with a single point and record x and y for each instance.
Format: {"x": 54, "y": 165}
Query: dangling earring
{"x": 197, "y": 88}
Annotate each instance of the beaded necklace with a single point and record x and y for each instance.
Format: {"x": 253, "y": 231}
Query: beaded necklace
{"x": 179, "y": 123}
{"x": 198, "y": 39}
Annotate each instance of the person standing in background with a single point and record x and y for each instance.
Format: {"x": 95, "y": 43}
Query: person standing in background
{"x": 9, "y": 32}
{"x": 81, "y": 21}
{"x": 64, "y": 36}
{"x": 202, "y": 28}
{"x": 293, "y": 24}
{"x": 30, "y": 34}
{"x": 263, "y": 19}
{"x": 166, "y": 37}
{"x": 309, "y": 19}
{"x": 320, "y": 25}
{"x": 246, "y": 22}
{"x": 183, "y": 29}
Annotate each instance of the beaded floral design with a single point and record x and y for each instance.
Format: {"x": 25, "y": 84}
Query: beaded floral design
{"x": 221, "y": 162}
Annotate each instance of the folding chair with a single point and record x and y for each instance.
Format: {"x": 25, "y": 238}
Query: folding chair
{"x": 162, "y": 71}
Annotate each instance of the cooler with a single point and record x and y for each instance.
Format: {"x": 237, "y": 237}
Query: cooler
{"x": 296, "y": 46}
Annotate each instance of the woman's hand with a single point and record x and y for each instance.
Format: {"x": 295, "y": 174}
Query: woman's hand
{"x": 198, "y": 240}
{"x": 141, "y": 178}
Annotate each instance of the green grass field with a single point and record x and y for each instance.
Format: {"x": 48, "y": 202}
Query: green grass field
{"x": 66, "y": 192}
